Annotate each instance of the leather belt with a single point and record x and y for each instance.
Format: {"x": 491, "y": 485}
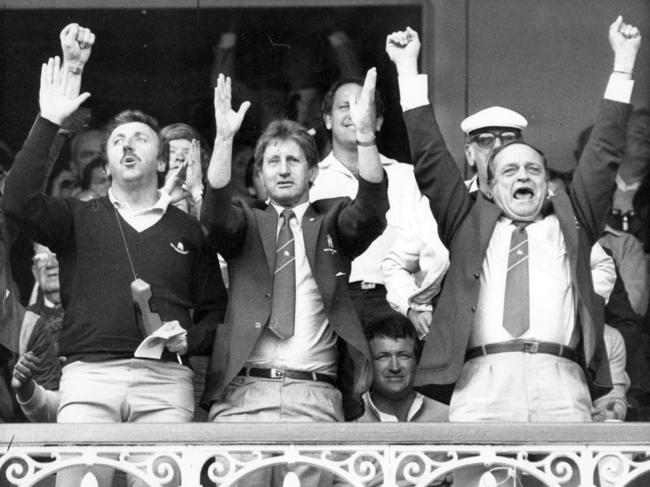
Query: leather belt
{"x": 365, "y": 285}
{"x": 280, "y": 374}
{"x": 526, "y": 346}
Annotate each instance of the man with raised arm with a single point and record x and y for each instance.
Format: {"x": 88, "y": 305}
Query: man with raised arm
{"x": 291, "y": 345}
{"x": 109, "y": 249}
{"x": 517, "y": 326}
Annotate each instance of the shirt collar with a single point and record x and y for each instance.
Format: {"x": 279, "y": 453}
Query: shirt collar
{"x": 416, "y": 405}
{"x": 299, "y": 210}
{"x": 160, "y": 206}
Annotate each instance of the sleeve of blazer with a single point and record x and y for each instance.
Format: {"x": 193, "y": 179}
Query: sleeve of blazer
{"x": 224, "y": 220}
{"x": 593, "y": 180}
{"x": 45, "y": 219}
{"x": 436, "y": 172}
{"x": 363, "y": 219}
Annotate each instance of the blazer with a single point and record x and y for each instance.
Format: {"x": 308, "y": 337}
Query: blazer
{"x": 466, "y": 223}
{"x": 335, "y": 231}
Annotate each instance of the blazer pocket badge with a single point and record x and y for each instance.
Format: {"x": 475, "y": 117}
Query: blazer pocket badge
{"x": 330, "y": 245}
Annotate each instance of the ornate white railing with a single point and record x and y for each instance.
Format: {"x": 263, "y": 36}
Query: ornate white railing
{"x": 195, "y": 454}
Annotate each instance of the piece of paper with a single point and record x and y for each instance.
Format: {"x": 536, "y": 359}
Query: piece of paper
{"x": 154, "y": 345}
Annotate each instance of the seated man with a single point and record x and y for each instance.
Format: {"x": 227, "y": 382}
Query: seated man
{"x": 290, "y": 321}
{"x": 395, "y": 351}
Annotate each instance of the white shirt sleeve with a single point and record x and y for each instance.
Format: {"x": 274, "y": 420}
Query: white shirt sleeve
{"x": 413, "y": 91}
{"x": 603, "y": 271}
{"x": 618, "y": 88}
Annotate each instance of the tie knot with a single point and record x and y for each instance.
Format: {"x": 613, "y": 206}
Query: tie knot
{"x": 520, "y": 226}
{"x": 287, "y": 215}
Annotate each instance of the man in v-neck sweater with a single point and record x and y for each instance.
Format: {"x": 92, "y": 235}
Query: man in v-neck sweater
{"x": 102, "y": 245}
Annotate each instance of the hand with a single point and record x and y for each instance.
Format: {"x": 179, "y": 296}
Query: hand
{"x": 174, "y": 181}
{"x": 612, "y": 410}
{"x": 403, "y": 48}
{"x": 76, "y": 44}
{"x": 362, "y": 111}
{"x": 625, "y": 41}
{"x": 421, "y": 321}
{"x": 228, "y": 121}
{"x": 177, "y": 344}
{"x": 22, "y": 380}
{"x": 55, "y": 105}
{"x": 194, "y": 178}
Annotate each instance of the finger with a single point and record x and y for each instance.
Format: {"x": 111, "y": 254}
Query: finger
{"x": 616, "y": 24}
{"x": 80, "y": 99}
{"x": 50, "y": 71}
{"x": 412, "y": 34}
{"x": 91, "y": 40}
{"x": 243, "y": 108}
{"x": 69, "y": 33}
{"x": 369, "y": 85}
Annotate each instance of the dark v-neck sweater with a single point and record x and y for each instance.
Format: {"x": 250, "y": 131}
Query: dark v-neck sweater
{"x": 95, "y": 274}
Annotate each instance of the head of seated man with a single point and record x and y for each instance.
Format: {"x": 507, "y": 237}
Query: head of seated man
{"x": 286, "y": 159}
{"x": 395, "y": 351}
{"x": 518, "y": 180}
{"x": 133, "y": 149}
{"x": 84, "y": 147}
{"x": 45, "y": 268}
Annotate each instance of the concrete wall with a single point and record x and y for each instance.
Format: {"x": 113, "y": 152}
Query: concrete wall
{"x": 548, "y": 59}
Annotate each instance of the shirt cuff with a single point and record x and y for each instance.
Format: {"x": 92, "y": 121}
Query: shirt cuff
{"x": 413, "y": 91}
{"x": 619, "y": 89}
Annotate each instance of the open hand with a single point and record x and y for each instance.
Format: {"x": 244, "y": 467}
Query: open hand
{"x": 54, "y": 103}
{"x": 228, "y": 121}
{"x": 362, "y": 111}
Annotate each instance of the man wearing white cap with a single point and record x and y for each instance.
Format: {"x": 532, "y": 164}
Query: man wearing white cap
{"x": 484, "y": 131}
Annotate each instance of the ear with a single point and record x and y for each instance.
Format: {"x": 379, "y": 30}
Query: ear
{"x": 313, "y": 174}
{"x": 469, "y": 155}
{"x": 379, "y": 123}
{"x": 327, "y": 118}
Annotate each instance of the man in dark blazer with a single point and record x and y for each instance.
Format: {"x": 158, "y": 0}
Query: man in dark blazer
{"x": 545, "y": 369}
{"x": 250, "y": 358}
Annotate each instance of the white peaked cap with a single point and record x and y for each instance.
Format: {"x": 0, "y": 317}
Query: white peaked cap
{"x": 493, "y": 117}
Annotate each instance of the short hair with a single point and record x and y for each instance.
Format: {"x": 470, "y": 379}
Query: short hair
{"x": 87, "y": 176}
{"x": 176, "y": 131}
{"x": 498, "y": 150}
{"x": 328, "y": 99}
{"x": 128, "y": 116}
{"x": 287, "y": 130}
{"x": 393, "y": 325}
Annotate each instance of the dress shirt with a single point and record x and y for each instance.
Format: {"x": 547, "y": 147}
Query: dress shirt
{"x": 423, "y": 410}
{"x": 409, "y": 210}
{"x": 552, "y": 306}
{"x": 617, "y": 357}
{"x": 603, "y": 271}
{"x": 142, "y": 219}
{"x": 312, "y": 347}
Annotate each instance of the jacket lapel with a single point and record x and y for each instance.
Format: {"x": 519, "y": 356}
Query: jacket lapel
{"x": 487, "y": 215}
{"x": 267, "y": 222}
{"x": 311, "y": 223}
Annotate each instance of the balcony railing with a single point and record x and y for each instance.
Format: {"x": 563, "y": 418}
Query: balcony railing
{"x": 195, "y": 454}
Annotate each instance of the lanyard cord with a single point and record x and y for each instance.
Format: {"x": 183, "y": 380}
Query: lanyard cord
{"x": 126, "y": 247}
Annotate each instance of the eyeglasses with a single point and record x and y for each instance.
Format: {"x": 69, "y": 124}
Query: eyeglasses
{"x": 487, "y": 139}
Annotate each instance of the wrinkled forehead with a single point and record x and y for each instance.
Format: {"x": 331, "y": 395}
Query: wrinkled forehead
{"x": 132, "y": 128}
{"x": 518, "y": 154}
{"x": 286, "y": 147}
{"x": 344, "y": 91}
{"x": 381, "y": 343}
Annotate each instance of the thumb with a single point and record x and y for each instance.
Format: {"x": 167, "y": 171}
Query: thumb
{"x": 80, "y": 99}
{"x": 243, "y": 108}
{"x": 616, "y": 25}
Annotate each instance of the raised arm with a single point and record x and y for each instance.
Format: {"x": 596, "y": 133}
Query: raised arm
{"x": 361, "y": 222}
{"x": 593, "y": 180}
{"x": 435, "y": 169}
{"x": 46, "y": 220}
{"x": 76, "y": 44}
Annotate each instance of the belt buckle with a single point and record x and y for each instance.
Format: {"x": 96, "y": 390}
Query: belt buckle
{"x": 277, "y": 374}
{"x": 365, "y": 286}
{"x": 531, "y": 346}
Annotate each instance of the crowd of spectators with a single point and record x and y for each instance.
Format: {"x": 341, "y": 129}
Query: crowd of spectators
{"x": 296, "y": 276}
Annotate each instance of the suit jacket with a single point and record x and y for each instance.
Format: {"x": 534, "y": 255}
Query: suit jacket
{"x": 335, "y": 231}
{"x": 466, "y": 223}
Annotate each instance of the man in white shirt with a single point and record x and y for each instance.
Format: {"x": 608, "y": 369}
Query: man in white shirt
{"x": 409, "y": 210}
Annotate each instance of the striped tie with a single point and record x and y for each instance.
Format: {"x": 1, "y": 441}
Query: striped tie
{"x": 516, "y": 306}
{"x": 283, "y": 308}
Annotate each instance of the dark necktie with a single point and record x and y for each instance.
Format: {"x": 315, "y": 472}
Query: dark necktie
{"x": 283, "y": 308}
{"x": 516, "y": 306}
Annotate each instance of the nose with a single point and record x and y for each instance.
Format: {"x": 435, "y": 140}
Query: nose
{"x": 497, "y": 142}
{"x": 284, "y": 166}
{"x": 127, "y": 147}
{"x": 393, "y": 365}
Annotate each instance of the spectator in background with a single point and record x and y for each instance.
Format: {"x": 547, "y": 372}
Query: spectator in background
{"x": 84, "y": 148}
{"x": 338, "y": 175}
{"x": 95, "y": 181}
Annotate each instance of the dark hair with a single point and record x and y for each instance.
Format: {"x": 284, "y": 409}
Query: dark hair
{"x": 498, "y": 150}
{"x": 87, "y": 176}
{"x": 128, "y": 116}
{"x": 393, "y": 325}
{"x": 328, "y": 100}
{"x": 287, "y": 130}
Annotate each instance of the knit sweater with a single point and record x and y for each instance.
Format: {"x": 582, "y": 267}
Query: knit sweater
{"x": 95, "y": 272}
